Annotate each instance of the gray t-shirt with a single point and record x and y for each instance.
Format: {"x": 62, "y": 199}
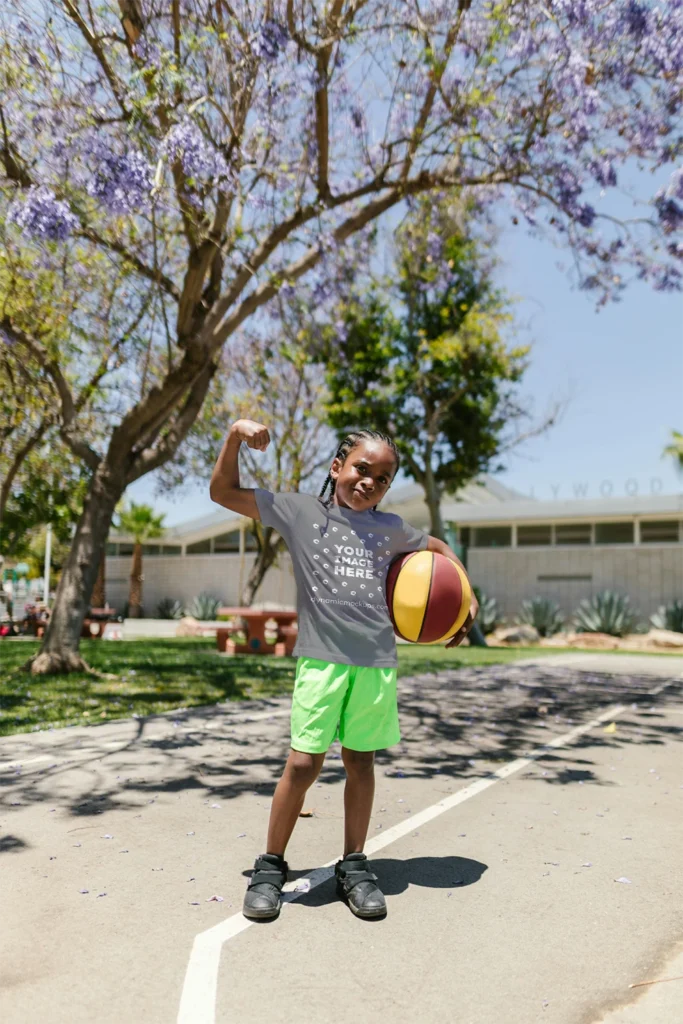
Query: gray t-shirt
{"x": 340, "y": 560}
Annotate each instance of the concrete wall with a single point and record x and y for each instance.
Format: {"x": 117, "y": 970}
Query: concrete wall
{"x": 650, "y": 574}
{"x": 183, "y": 578}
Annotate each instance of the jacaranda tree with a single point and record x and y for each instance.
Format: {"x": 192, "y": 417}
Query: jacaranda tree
{"x": 215, "y": 152}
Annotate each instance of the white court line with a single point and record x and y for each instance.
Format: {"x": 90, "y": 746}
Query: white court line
{"x": 198, "y": 997}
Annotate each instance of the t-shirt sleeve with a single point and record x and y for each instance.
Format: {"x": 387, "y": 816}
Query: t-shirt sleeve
{"x": 410, "y": 538}
{"x": 278, "y": 510}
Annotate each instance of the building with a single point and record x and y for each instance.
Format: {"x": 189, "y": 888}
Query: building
{"x": 515, "y": 547}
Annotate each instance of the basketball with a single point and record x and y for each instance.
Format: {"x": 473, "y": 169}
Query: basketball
{"x": 428, "y": 596}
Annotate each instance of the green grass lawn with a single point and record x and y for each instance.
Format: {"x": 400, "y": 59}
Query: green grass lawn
{"x": 162, "y": 675}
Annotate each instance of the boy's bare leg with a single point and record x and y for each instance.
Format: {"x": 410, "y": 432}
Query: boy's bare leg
{"x": 300, "y": 773}
{"x": 359, "y": 794}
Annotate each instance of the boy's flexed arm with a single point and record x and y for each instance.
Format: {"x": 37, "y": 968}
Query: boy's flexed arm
{"x": 225, "y": 488}
{"x": 434, "y": 544}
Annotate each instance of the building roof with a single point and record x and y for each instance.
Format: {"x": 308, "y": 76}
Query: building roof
{"x": 407, "y": 500}
{"x": 483, "y": 501}
{"x": 211, "y": 525}
{"x": 659, "y": 505}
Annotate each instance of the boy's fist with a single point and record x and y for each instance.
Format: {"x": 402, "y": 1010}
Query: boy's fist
{"x": 255, "y": 435}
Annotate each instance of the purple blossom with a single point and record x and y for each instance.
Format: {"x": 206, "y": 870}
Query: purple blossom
{"x": 603, "y": 171}
{"x": 666, "y": 278}
{"x": 358, "y": 122}
{"x": 670, "y": 213}
{"x": 675, "y": 187}
{"x": 584, "y": 214}
{"x": 269, "y": 41}
{"x": 636, "y": 19}
{"x": 42, "y": 216}
{"x": 200, "y": 160}
{"x": 123, "y": 183}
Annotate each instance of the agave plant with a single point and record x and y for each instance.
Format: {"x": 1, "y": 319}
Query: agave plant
{"x": 606, "y": 612}
{"x": 204, "y": 607}
{"x": 489, "y": 615}
{"x": 669, "y": 616}
{"x": 543, "y": 614}
{"x": 169, "y": 609}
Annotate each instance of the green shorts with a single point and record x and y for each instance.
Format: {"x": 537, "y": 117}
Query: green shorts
{"x": 356, "y": 704}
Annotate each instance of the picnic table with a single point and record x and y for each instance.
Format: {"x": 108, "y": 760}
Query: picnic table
{"x": 95, "y": 621}
{"x": 255, "y": 623}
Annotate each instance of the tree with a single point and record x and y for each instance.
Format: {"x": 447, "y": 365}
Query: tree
{"x": 216, "y": 153}
{"x": 425, "y": 358}
{"x": 140, "y": 522}
{"x": 675, "y": 449}
{"x": 30, "y": 450}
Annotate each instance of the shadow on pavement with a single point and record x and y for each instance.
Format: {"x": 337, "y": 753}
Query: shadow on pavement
{"x": 457, "y": 724}
{"x": 395, "y": 876}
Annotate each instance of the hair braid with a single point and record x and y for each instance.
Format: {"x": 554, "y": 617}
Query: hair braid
{"x": 346, "y": 446}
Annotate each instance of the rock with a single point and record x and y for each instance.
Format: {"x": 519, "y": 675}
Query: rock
{"x": 521, "y": 634}
{"x": 556, "y": 640}
{"x": 189, "y": 626}
{"x": 665, "y": 638}
{"x": 600, "y": 641}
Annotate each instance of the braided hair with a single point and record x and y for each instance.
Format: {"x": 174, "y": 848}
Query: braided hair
{"x": 346, "y": 446}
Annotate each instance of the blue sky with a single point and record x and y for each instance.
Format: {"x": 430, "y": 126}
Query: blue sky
{"x": 619, "y": 371}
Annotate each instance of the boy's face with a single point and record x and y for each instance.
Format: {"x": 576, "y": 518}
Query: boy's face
{"x": 365, "y": 477}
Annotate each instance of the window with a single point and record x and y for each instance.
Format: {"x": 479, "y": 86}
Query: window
{"x": 464, "y": 535}
{"x": 659, "y": 531}
{"x": 573, "y": 533}
{"x": 227, "y": 542}
{"x": 202, "y": 547}
{"x": 125, "y": 549}
{"x": 112, "y": 549}
{"x": 493, "y": 537}
{"x": 534, "y": 535}
{"x": 151, "y": 549}
{"x": 170, "y": 549}
{"x": 614, "y": 533}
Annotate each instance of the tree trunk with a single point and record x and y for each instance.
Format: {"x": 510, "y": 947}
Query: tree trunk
{"x": 59, "y": 650}
{"x": 99, "y": 594}
{"x": 136, "y": 578}
{"x": 271, "y": 547}
{"x": 433, "y": 499}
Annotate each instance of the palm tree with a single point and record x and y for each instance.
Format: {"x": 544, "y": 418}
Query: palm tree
{"x": 675, "y": 449}
{"x": 141, "y": 524}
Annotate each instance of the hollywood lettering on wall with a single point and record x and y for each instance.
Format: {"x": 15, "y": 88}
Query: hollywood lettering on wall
{"x": 605, "y": 489}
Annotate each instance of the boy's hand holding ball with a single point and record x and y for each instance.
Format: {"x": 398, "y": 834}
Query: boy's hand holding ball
{"x": 254, "y": 435}
{"x": 467, "y": 624}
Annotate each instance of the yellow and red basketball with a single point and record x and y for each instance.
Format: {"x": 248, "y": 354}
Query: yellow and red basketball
{"x": 428, "y": 596}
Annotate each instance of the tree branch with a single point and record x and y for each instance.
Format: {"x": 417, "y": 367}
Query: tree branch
{"x": 18, "y": 460}
{"x": 96, "y": 47}
{"x": 149, "y": 272}
{"x": 152, "y": 458}
{"x": 221, "y": 326}
{"x": 67, "y": 426}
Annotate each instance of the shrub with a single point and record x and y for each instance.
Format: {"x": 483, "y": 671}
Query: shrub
{"x": 669, "y": 616}
{"x": 489, "y": 616}
{"x": 169, "y": 609}
{"x": 205, "y": 607}
{"x": 606, "y": 612}
{"x": 543, "y": 614}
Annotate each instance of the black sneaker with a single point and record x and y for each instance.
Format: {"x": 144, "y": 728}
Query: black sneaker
{"x": 357, "y": 886}
{"x": 262, "y": 898}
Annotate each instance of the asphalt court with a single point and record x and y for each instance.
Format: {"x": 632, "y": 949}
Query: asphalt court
{"x": 504, "y": 907}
